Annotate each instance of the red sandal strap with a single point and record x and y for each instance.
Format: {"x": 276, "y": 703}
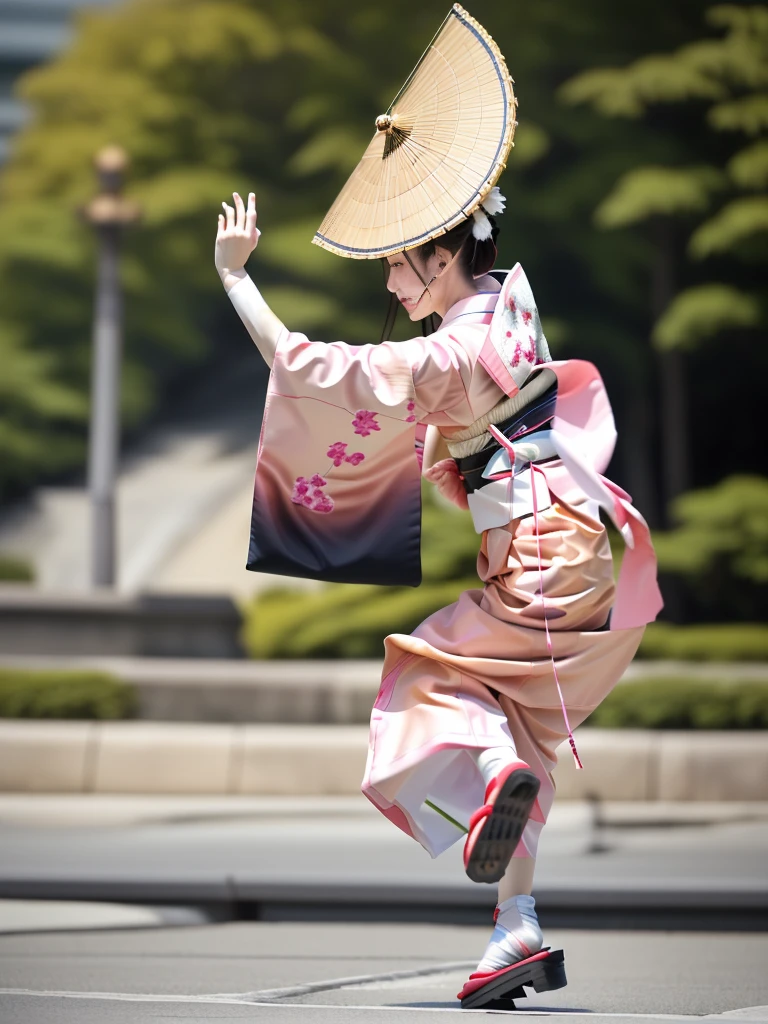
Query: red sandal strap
{"x": 479, "y": 814}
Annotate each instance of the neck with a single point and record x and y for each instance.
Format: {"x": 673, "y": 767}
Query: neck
{"x": 463, "y": 290}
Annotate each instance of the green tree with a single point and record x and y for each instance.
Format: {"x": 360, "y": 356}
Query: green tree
{"x": 211, "y": 95}
{"x": 714, "y": 209}
{"x": 720, "y": 547}
{"x": 188, "y": 88}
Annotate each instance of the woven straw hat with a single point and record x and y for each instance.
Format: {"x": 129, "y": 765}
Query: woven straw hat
{"x": 437, "y": 152}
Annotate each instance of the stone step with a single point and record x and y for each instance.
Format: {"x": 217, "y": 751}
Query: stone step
{"x": 317, "y": 760}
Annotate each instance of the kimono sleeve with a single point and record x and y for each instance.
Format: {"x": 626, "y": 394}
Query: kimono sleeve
{"x": 337, "y": 493}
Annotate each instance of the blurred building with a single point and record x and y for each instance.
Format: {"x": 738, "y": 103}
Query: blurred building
{"x": 31, "y": 32}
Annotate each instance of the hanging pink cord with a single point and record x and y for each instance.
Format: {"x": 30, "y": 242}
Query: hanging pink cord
{"x": 535, "y": 469}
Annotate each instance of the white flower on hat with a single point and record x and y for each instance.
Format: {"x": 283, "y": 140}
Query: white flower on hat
{"x": 493, "y": 204}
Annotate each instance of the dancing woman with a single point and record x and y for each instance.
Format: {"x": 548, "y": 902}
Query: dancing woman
{"x": 475, "y": 702}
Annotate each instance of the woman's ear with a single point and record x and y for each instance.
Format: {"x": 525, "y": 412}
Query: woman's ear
{"x": 443, "y": 257}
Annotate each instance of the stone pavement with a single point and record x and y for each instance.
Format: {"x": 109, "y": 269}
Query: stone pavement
{"x": 631, "y": 865}
{"x": 26, "y": 916}
{"x": 384, "y": 973}
{"x": 332, "y": 882}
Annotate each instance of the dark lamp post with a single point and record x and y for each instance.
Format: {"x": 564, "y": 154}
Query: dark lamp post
{"x": 108, "y": 213}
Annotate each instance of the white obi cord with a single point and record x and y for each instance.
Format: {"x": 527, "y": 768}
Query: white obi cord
{"x": 502, "y": 500}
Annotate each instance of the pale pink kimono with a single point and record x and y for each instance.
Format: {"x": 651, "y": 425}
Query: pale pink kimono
{"x": 336, "y": 497}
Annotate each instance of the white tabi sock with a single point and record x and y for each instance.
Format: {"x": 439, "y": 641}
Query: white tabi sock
{"x": 491, "y": 761}
{"x": 516, "y": 936}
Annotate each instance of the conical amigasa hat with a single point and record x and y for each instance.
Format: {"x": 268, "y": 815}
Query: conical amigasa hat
{"x": 437, "y": 152}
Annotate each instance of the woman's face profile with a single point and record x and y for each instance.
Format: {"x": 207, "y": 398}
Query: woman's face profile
{"x": 405, "y": 283}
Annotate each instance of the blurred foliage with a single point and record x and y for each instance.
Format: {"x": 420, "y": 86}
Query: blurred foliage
{"x": 339, "y": 620}
{"x": 705, "y": 106}
{"x": 208, "y": 96}
{"x": 675, "y": 703}
{"x": 652, "y": 191}
{"x": 723, "y": 76}
{"x": 728, "y": 523}
{"x": 15, "y": 570}
{"x": 197, "y": 92}
{"x": 707, "y": 642}
{"x": 720, "y": 546}
{"x": 702, "y": 312}
{"x": 83, "y": 695}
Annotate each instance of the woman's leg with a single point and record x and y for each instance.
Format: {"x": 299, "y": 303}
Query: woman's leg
{"x": 518, "y": 878}
{"x": 516, "y": 934}
{"x": 496, "y": 828}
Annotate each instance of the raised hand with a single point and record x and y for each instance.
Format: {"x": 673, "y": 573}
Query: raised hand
{"x": 237, "y": 236}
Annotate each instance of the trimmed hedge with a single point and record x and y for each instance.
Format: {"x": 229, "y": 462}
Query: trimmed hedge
{"x": 674, "y": 703}
{"x": 84, "y": 695}
{"x": 341, "y": 621}
{"x": 729, "y": 641}
{"x": 15, "y": 570}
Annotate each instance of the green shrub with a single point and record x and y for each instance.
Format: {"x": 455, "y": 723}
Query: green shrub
{"x": 89, "y": 695}
{"x": 343, "y": 621}
{"x": 674, "y": 703}
{"x": 16, "y": 570}
{"x": 718, "y": 551}
{"x": 706, "y": 642}
{"x": 339, "y": 620}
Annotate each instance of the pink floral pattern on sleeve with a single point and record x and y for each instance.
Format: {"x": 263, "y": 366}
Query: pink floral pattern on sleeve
{"x": 364, "y": 422}
{"x": 336, "y": 453}
{"x": 310, "y": 493}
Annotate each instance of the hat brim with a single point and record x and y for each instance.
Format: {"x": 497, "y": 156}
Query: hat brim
{"x": 450, "y": 130}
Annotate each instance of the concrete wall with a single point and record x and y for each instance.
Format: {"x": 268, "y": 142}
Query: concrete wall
{"x": 180, "y": 758}
{"x": 144, "y": 625}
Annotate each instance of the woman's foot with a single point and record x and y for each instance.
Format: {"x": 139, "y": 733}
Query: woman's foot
{"x": 517, "y": 935}
{"x": 496, "y": 827}
{"x": 515, "y": 959}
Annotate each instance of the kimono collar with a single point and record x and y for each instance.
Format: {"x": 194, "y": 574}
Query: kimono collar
{"x": 473, "y": 308}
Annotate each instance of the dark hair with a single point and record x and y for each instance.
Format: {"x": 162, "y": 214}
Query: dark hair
{"x": 476, "y": 258}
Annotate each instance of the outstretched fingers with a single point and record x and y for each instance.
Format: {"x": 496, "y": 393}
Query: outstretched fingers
{"x": 250, "y": 217}
{"x": 239, "y": 211}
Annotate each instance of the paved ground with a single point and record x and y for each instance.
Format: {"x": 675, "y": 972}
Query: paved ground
{"x": 86, "y": 963}
{"x": 292, "y": 859}
{"x": 386, "y": 973}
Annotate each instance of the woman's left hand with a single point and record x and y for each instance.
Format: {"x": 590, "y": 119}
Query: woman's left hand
{"x": 237, "y": 236}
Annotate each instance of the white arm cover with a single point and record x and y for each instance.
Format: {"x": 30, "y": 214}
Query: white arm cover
{"x": 260, "y": 322}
